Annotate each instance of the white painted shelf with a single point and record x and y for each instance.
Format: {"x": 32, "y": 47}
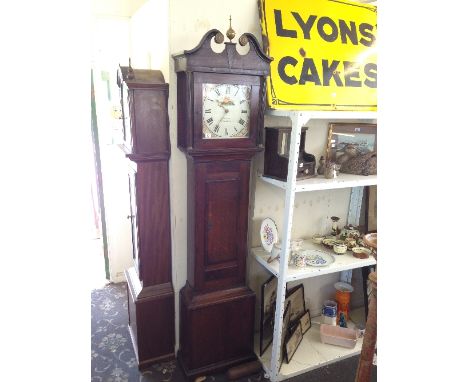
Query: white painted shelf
{"x": 321, "y": 183}
{"x": 325, "y": 114}
{"x": 311, "y": 353}
{"x": 342, "y": 263}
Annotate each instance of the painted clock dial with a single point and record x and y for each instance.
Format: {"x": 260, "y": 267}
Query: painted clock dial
{"x": 226, "y": 111}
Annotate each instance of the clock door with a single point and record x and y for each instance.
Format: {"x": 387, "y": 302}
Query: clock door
{"x": 221, "y": 228}
{"x": 220, "y": 118}
{"x": 133, "y": 217}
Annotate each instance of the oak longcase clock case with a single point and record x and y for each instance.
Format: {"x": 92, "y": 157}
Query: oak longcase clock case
{"x": 146, "y": 144}
{"x": 221, "y": 99}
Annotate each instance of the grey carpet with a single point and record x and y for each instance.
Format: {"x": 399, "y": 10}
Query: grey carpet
{"x": 113, "y": 359}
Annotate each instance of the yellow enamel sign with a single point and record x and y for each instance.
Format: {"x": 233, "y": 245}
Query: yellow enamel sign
{"x": 324, "y": 54}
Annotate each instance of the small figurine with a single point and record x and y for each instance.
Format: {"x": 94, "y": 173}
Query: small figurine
{"x": 335, "y": 230}
{"x": 331, "y": 170}
{"x": 321, "y": 167}
{"x": 342, "y": 322}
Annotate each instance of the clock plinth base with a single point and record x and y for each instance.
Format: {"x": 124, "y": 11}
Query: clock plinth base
{"x": 216, "y": 330}
{"x": 147, "y": 306}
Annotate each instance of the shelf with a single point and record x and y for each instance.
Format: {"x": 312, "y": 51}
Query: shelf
{"x": 342, "y": 263}
{"x": 311, "y": 353}
{"x": 321, "y": 183}
{"x": 325, "y": 114}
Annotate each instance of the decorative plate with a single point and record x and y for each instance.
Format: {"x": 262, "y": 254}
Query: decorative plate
{"x": 268, "y": 234}
{"x": 315, "y": 259}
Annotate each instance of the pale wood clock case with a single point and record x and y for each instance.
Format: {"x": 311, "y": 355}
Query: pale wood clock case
{"x": 216, "y": 306}
{"x": 144, "y": 96}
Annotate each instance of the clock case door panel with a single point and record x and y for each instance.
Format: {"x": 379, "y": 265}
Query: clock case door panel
{"x": 153, "y": 222}
{"x": 220, "y": 223}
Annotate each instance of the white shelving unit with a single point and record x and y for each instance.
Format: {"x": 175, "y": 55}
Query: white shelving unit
{"x": 311, "y": 352}
{"x": 321, "y": 183}
{"x": 343, "y": 262}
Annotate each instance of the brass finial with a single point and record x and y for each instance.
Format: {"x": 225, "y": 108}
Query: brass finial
{"x": 230, "y": 33}
{"x": 130, "y": 74}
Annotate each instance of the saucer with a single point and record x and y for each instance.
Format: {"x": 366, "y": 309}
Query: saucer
{"x": 268, "y": 234}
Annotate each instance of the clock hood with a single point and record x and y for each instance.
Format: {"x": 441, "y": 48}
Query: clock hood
{"x": 203, "y": 58}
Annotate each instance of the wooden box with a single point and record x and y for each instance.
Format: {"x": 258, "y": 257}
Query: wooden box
{"x": 277, "y": 143}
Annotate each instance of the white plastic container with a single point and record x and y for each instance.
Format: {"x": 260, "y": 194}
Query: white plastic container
{"x": 329, "y": 320}
{"x": 336, "y": 335}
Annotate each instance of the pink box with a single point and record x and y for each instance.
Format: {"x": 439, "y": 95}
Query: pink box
{"x": 336, "y": 335}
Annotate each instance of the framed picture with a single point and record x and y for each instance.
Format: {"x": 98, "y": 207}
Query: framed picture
{"x": 286, "y": 320}
{"x": 267, "y": 312}
{"x": 296, "y": 297}
{"x": 292, "y": 343}
{"x": 371, "y": 209}
{"x": 346, "y": 140}
{"x": 305, "y": 322}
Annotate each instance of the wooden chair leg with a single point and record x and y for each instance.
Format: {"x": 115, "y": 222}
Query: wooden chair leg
{"x": 364, "y": 370}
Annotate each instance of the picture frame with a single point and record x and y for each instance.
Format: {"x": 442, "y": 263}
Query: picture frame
{"x": 286, "y": 321}
{"x": 296, "y": 296}
{"x": 267, "y": 312}
{"x": 293, "y": 342}
{"x": 305, "y": 322}
{"x": 371, "y": 209}
{"x": 341, "y": 136}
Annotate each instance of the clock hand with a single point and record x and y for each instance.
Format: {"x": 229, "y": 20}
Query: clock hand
{"x": 222, "y": 105}
{"x": 225, "y": 112}
{"x": 219, "y": 121}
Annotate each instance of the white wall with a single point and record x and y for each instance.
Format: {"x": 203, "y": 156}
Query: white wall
{"x": 149, "y": 36}
{"x": 144, "y": 38}
{"x": 111, "y": 46}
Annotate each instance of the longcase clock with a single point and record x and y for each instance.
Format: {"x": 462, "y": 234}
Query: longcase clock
{"x": 221, "y": 99}
{"x": 146, "y": 144}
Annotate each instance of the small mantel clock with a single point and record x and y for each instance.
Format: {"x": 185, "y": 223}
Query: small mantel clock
{"x": 221, "y": 98}
{"x": 144, "y": 95}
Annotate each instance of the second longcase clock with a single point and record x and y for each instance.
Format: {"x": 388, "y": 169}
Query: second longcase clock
{"x": 144, "y": 95}
{"x": 220, "y": 112}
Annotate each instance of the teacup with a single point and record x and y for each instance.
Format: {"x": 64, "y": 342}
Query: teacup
{"x": 340, "y": 248}
{"x": 317, "y": 239}
{"x": 300, "y": 260}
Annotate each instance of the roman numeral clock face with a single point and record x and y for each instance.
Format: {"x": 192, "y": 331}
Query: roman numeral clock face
{"x": 226, "y": 111}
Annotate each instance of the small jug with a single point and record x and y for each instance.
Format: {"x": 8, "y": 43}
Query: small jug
{"x": 300, "y": 260}
{"x": 331, "y": 170}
